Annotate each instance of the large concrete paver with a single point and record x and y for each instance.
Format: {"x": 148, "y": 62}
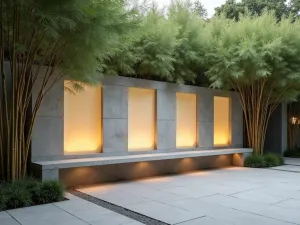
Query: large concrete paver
{"x": 44, "y": 215}
{"x": 74, "y": 211}
{"x": 290, "y": 203}
{"x": 111, "y": 219}
{"x": 163, "y": 212}
{"x": 226, "y": 214}
{"x": 204, "y": 221}
{"x": 290, "y": 168}
{"x": 271, "y": 211}
{"x": 6, "y": 219}
{"x": 257, "y": 196}
{"x": 115, "y": 196}
{"x": 292, "y": 161}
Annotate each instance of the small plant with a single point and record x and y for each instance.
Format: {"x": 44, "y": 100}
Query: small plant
{"x": 271, "y": 160}
{"x": 50, "y": 191}
{"x": 267, "y": 160}
{"x": 255, "y": 161}
{"x": 27, "y": 192}
{"x": 280, "y": 159}
{"x": 2, "y": 198}
{"x": 17, "y": 196}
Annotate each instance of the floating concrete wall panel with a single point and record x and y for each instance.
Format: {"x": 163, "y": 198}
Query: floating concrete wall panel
{"x": 166, "y": 135}
{"x": 166, "y": 105}
{"x": 115, "y": 135}
{"x": 206, "y": 106}
{"x": 115, "y": 117}
{"x": 206, "y": 134}
{"x": 53, "y": 102}
{"x": 47, "y": 138}
{"x": 166, "y": 120}
{"x": 115, "y": 102}
{"x": 48, "y": 135}
{"x": 237, "y": 130}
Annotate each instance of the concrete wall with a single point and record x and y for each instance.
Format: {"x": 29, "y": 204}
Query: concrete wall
{"x": 276, "y": 137}
{"x": 47, "y": 143}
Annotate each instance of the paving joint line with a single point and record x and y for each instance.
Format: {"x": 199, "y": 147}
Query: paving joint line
{"x": 118, "y": 209}
{"x": 13, "y": 217}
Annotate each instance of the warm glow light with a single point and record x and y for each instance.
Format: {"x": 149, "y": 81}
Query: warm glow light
{"x": 82, "y": 121}
{"x": 222, "y": 121}
{"x": 295, "y": 120}
{"x": 186, "y": 120}
{"x": 141, "y": 119}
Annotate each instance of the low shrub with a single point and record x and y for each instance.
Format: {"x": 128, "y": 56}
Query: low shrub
{"x": 2, "y": 198}
{"x": 267, "y": 160}
{"x": 255, "y": 161}
{"x": 280, "y": 159}
{"x": 17, "y": 196}
{"x": 293, "y": 153}
{"x": 29, "y": 192}
{"x": 271, "y": 160}
{"x": 50, "y": 191}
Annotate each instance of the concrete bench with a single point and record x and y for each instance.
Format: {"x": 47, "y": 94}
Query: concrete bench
{"x": 83, "y": 171}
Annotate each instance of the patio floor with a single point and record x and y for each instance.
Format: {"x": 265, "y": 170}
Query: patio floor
{"x": 228, "y": 196}
{"x": 237, "y": 196}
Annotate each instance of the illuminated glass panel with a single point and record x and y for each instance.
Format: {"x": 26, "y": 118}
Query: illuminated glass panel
{"x": 141, "y": 119}
{"x": 83, "y": 121}
{"x": 186, "y": 120}
{"x": 222, "y": 132}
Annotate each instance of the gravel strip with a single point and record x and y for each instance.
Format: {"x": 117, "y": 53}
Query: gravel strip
{"x": 118, "y": 209}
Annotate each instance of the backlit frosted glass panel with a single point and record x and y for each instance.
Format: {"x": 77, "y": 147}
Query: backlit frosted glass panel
{"x": 186, "y": 120}
{"x": 82, "y": 121}
{"x": 222, "y": 121}
{"x": 141, "y": 119}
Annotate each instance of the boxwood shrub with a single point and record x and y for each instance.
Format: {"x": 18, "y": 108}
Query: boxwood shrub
{"x": 28, "y": 192}
{"x": 261, "y": 161}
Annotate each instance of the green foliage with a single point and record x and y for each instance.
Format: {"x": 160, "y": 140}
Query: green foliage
{"x": 165, "y": 47}
{"x": 255, "y": 161}
{"x": 260, "y": 58}
{"x": 267, "y": 160}
{"x": 279, "y": 158}
{"x": 233, "y": 9}
{"x": 17, "y": 196}
{"x": 293, "y": 153}
{"x": 2, "y": 198}
{"x": 271, "y": 160}
{"x": 27, "y": 192}
{"x": 254, "y": 48}
{"x": 50, "y": 191}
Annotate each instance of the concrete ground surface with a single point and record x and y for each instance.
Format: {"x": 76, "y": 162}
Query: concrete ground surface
{"x": 239, "y": 196}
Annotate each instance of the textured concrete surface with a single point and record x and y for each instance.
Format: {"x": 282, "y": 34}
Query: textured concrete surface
{"x": 48, "y": 133}
{"x": 292, "y": 161}
{"x": 69, "y": 163}
{"x": 75, "y": 211}
{"x": 238, "y": 196}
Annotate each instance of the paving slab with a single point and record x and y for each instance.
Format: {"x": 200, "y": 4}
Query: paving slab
{"x": 290, "y": 203}
{"x": 163, "y": 212}
{"x": 6, "y": 219}
{"x": 111, "y": 219}
{"x": 290, "y": 168}
{"x": 44, "y": 214}
{"x": 292, "y": 161}
{"x": 204, "y": 221}
{"x": 225, "y": 214}
{"x": 271, "y": 211}
{"x": 257, "y": 196}
{"x": 115, "y": 197}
